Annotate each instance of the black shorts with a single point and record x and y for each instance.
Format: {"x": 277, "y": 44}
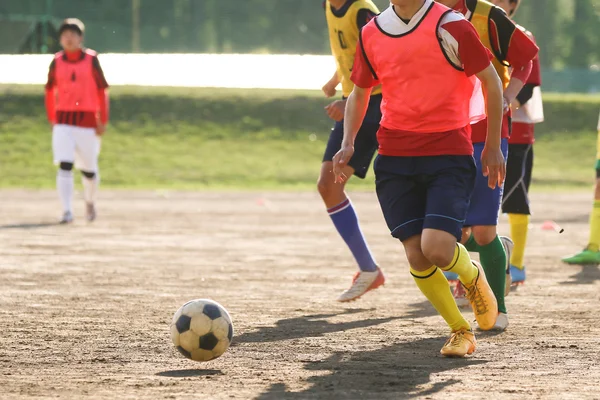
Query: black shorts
{"x": 417, "y": 193}
{"x": 365, "y": 144}
{"x": 518, "y": 179}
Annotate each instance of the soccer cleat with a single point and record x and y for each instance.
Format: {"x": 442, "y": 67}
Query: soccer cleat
{"x": 363, "y": 282}
{"x": 517, "y": 275}
{"x": 67, "y": 218}
{"x": 586, "y": 257}
{"x": 460, "y": 295}
{"x": 90, "y": 212}
{"x": 460, "y": 344}
{"x": 508, "y": 245}
{"x": 482, "y": 299}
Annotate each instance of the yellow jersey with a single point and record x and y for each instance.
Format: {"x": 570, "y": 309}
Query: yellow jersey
{"x": 481, "y": 21}
{"x": 343, "y": 37}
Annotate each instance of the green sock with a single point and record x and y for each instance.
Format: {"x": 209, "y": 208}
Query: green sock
{"x": 472, "y": 245}
{"x": 493, "y": 261}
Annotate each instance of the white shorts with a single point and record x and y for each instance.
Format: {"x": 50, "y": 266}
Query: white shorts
{"x": 76, "y": 145}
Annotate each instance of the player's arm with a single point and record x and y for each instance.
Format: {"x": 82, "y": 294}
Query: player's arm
{"x": 534, "y": 80}
{"x": 364, "y": 79}
{"x": 50, "y": 94}
{"x": 329, "y": 87}
{"x": 462, "y": 45}
{"x": 513, "y": 47}
{"x": 103, "y": 98}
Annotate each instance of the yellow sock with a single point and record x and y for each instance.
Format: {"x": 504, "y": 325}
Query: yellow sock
{"x": 461, "y": 264}
{"x": 435, "y": 287}
{"x": 519, "y": 226}
{"x": 594, "y": 244}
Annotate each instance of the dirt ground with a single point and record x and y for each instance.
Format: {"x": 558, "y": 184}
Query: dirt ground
{"x": 85, "y": 309}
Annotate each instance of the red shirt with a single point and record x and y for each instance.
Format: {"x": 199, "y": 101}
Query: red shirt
{"x": 510, "y": 45}
{"x": 77, "y": 118}
{"x": 463, "y": 43}
{"x": 523, "y": 133}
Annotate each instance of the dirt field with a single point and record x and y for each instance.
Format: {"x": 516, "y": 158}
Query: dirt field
{"x": 85, "y": 309}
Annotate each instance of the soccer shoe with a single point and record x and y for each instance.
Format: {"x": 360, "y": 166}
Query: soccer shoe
{"x": 67, "y": 218}
{"x": 517, "y": 275}
{"x": 363, "y": 282}
{"x": 482, "y": 299}
{"x": 90, "y": 212}
{"x": 460, "y": 295}
{"x": 460, "y": 344}
{"x": 508, "y": 245}
{"x": 501, "y": 323}
{"x": 586, "y": 257}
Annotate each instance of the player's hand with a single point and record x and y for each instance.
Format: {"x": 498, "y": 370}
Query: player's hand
{"x": 329, "y": 89}
{"x": 336, "y": 110}
{"x": 100, "y": 129}
{"x": 493, "y": 166}
{"x": 340, "y": 160}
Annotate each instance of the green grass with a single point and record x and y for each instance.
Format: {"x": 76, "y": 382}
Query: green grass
{"x": 232, "y": 139}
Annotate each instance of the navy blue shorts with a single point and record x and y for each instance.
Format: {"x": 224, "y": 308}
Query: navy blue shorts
{"x": 365, "y": 144}
{"x": 485, "y": 202}
{"x": 417, "y": 193}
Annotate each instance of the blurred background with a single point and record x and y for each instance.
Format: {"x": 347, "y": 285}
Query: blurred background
{"x": 200, "y": 135}
{"x": 567, "y": 31}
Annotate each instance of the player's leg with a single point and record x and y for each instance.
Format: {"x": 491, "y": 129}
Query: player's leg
{"x": 448, "y": 198}
{"x": 342, "y": 212}
{"x": 88, "y": 150}
{"x": 483, "y": 219}
{"x": 591, "y": 254}
{"x": 515, "y": 203}
{"x": 63, "y": 149}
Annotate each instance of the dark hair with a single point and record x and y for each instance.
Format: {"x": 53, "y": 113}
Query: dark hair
{"x": 517, "y": 3}
{"x": 73, "y": 25}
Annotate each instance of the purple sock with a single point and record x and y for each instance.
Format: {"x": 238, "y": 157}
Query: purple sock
{"x": 346, "y": 222}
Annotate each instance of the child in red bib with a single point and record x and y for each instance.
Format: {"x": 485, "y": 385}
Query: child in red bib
{"x": 77, "y": 108}
{"x": 431, "y": 66}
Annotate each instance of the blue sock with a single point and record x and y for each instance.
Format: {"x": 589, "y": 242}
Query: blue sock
{"x": 346, "y": 222}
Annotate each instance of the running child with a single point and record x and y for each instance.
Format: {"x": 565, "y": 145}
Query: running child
{"x": 345, "y": 19}
{"x": 427, "y": 59}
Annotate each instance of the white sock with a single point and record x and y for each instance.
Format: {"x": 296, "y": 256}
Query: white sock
{"x": 64, "y": 185}
{"x": 90, "y": 187}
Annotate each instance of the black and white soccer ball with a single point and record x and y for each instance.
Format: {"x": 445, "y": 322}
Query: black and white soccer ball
{"x": 202, "y": 330}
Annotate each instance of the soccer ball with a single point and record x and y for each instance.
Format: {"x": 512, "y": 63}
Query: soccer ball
{"x": 201, "y": 330}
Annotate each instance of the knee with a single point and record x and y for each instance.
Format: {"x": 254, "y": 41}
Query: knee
{"x": 438, "y": 255}
{"x": 415, "y": 256}
{"x": 597, "y": 192}
{"x": 466, "y": 234}
{"x": 484, "y": 235}
{"x": 65, "y": 166}
{"x": 326, "y": 186}
{"x": 89, "y": 175}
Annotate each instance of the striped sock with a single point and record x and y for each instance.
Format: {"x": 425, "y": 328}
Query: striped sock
{"x": 346, "y": 222}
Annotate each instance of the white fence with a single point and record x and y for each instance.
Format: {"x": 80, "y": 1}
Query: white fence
{"x": 187, "y": 70}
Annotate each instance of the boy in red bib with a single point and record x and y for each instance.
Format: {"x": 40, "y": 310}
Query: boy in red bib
{"x": 427, "y": 59}
{"x": 77, "y": 108}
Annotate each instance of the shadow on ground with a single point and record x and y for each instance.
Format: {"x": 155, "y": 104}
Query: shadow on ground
{"x": 399, "y": 371}
{"x": 189, "y": 373}
{"x": 587, "y": 275}
{"x": 317, "y": 325}
{"x": 29, "y": 225}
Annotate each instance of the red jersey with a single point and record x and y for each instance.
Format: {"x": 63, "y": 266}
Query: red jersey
{"x": 510, "y": 46}
{"x": 523, "y": 132}
{"x": 426, "y": 79}
{"x": 76, "y": 90}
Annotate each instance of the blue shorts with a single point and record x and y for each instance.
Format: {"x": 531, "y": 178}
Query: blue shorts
{"x": 417, "y": 193}
{"x": 485, "y": 202}
{"x": 365, "y": 144}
